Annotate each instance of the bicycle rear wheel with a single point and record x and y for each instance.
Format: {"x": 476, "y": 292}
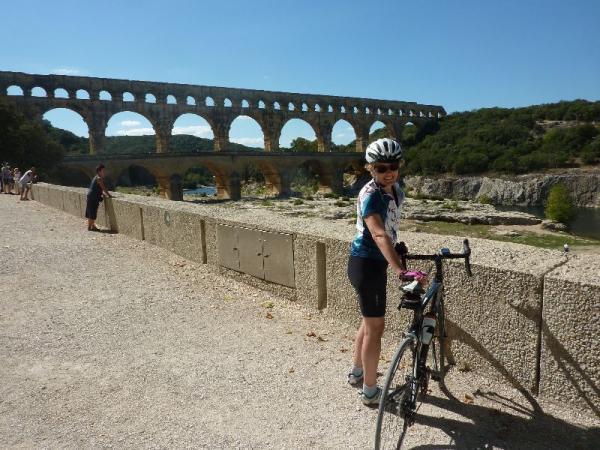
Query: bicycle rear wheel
{"x": 398, "y": 399}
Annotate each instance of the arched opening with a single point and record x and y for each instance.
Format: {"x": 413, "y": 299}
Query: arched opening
{"x": 245, "y": 104}
{"x": 61, "y": 93}
{"x": 252, "y": 180}
{"x": 307, "y": 179}
{"x": 367, "y": 110}
{"x": 246, "y": 131}
{"x": 227, "y": 103}
{"x": 291, "y": 106}
{"x": 355, "y": 110}
{"x": 82, "y": 94}
{"x": 171, "y": 100}
{"x": 137, "y": 180}
{"x": 276, "y": 105}
{"x": 105, "y": 95}
{"x": 69, "y": 129}
{"x": 199, "y": 184}
{"x": 38, "y": 92}
{"x": 14, "y": 90}
{"x": 191, "y": 101}
{"x": 377, "y": 131}
{"x": 343, "y": 136}
{"x": 209, "y": 101}
{"x": 390, "y": 112}
{"x": 128, "y": 97}
{"x": 297, "y": 135}
{"x": 150, "y": 98}
{"x": 317, "y": 108}
{"x": 261, "y": 104}
{"x": 343, "y": 109}
{"x": 354, "y": 178}
{"x": 304, "y": 107}
{"x": 330, "y": 108}
{"x": 130, "y": 132}
{"x": 409, "y": 134}
{"x": 192, "y": 133}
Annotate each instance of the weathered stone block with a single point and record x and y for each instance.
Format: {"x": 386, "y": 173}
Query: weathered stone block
{"x": 124, "y": 217}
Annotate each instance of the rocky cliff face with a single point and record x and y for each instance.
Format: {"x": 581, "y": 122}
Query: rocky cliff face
{"x": 523, "y": 190}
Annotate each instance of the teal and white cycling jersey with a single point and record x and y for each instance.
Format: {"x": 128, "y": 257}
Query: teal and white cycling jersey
{"x": 373, "y": 200}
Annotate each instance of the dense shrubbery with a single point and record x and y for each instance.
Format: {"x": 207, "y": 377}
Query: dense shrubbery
{"x": 509, "y": 140}
{"x": 559, "y": 205}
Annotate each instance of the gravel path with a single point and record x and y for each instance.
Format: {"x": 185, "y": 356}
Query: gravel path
{"x": 110, "y": 342}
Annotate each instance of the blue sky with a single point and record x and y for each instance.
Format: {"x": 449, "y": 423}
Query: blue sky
{"x": 459, "y": 54}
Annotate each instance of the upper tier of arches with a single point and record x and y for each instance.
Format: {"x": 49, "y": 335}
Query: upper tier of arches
{"x": 177, "y": 95}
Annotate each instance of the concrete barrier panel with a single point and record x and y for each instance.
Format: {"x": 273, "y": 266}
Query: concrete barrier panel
{"x": 175, "y": 230}
{"x": 570, "y": 357}
{"x": 125, "y": 217}
{"x": 72, "y": 202}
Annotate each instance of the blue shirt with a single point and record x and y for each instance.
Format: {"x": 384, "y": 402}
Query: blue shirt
{"x": 373, "y": 200}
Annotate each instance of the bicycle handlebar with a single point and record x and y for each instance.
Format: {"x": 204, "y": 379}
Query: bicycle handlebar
{"x": 444, "y": 253}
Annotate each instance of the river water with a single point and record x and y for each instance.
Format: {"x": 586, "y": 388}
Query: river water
{"x": 586, "y": 224}
{"x": 206, "y": 190}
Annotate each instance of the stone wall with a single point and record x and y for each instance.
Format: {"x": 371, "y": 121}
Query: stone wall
{"x": 528, "y": 316}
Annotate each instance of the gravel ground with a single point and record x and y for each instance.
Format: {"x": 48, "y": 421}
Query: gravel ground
{"x": 110, "y": 342}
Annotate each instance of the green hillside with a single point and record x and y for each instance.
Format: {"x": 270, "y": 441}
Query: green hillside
{"x": 502, "y": 140}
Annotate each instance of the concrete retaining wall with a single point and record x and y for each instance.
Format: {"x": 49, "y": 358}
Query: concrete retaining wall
{"x": 526, "y": 316}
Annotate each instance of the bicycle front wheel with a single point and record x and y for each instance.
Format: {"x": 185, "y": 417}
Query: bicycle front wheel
{"x": 398, "y": 399}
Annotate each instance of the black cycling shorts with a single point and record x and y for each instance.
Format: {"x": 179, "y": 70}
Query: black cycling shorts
{"x": 369, "y": 279}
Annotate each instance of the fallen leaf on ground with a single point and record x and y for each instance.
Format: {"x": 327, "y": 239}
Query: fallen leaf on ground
{"x": 322, "y": 339}
{"x": 288, "y": 332}
{"x": 343, "y": 350}
{"x": 468, "y": 399}
{"x": 311, "y": 334}
{"x": 269, "y": 316}
{"x": 267, "y": 304}
{"x": 292, "y": 370}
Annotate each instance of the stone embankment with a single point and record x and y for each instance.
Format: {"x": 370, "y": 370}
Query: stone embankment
{"x": 528, "y": 316}
{"x": 522, "y": 190}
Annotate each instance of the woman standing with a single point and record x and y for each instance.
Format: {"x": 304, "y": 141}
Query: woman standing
{"x": 378, "y": 218}
{"x": 96, "y": 192}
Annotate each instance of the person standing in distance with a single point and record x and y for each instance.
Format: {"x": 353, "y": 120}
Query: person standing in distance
{"x": 378, "y": 217}
{"x": 96, "y": 193}
{"x": 25, "y": 182}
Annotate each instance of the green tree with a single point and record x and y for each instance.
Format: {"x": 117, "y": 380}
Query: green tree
{"x": 24, "y": 143}
{"x": 559, "y": 206}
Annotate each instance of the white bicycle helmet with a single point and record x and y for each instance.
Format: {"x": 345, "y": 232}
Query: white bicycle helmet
{"x": 383, "y": 150}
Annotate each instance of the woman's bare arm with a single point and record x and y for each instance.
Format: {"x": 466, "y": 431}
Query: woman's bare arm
{"x": 384, "y": 243}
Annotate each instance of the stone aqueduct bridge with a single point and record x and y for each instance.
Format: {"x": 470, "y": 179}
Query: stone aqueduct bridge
{"x": 98, "y": 99}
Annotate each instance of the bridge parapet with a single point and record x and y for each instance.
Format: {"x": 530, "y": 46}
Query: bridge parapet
{"x": 98, "y": 99}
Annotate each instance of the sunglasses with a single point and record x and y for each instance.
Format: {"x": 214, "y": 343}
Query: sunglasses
{"x": 386, "y": 168}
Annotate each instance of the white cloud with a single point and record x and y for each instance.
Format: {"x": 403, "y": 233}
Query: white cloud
{"x": 253, "y": 142}
{"x": 340, "y": 135}
{"x": 130, "y": 123}
{"x": 135, "y": 132}
{"x": 203, "y": 131}
{"x": 66, "y": 71}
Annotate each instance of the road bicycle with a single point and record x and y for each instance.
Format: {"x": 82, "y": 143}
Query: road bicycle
{"x": 420, "y": 355}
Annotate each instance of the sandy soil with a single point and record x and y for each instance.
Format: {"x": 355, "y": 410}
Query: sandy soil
{"x": 108, "y": 342}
